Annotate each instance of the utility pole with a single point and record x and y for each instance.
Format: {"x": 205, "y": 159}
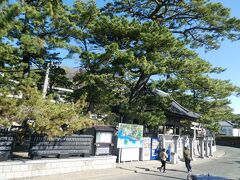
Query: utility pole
{"x": 45, "y": 85}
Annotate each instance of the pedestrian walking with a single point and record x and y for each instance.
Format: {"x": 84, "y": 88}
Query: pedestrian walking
{"x": 187, "y": 158}
{"x": 163, "y": 158}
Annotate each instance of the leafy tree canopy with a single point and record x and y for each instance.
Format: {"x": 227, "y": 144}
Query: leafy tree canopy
{"x": 125, "y": 50}
{"x": 48, "y": 116}
{"x": 196, "y": 22}
{"x": 126, "y": 53}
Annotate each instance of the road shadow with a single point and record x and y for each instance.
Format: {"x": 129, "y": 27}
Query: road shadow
{"x": 160, "y": 175}
{"x": 229, "y": 162}
{"x": 175, "y": 170}
{"x": 142, "y": 168}
{"x": 127, "y": 169}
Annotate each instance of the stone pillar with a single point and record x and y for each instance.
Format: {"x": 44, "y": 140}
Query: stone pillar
{"x": 210, "y": 139}
{"x": 174, "y": 130}
{"x": 164, "y": 129}
{"x": 185, "y": 141}
{"x": 201, "y": 144}
{"x": 176, "y": 142}
{"x": 191, "y": 145}
{"x": 194, "y": 133}
{"x": 162, "y": 140}
{"x": 206, "y": 147}
{"x": 180, "y": 148}
{"x": 180, "y": 130}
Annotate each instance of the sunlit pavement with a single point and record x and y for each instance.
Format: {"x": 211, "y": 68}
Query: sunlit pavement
{"x": 225, "y": 163}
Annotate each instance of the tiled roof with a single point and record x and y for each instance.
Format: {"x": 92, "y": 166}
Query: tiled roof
{"x": 176, "y": 109}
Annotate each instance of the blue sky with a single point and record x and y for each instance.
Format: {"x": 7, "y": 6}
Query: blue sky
{"x": 227, "y": 56}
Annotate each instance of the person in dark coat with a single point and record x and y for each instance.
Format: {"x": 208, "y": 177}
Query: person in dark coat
{"x": 187, "y": 158}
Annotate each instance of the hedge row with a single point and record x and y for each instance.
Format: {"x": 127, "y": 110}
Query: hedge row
{"x": 228, "y": 137}
{"x": 233, "y": 141}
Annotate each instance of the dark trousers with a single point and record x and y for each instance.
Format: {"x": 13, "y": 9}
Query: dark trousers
{"x": 188, "y": 165}
{"x": 163, "y": 165}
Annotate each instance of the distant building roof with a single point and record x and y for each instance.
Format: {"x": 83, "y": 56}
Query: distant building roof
{"x": 226, "y": 123}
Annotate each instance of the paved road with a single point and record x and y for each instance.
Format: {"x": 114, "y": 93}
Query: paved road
{"x": 225, "y": 163}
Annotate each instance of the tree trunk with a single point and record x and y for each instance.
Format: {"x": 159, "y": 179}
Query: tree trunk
{"x": 90, "y": 108}
{"x": 26, "y": 67}
{"x": 141, "y": 83}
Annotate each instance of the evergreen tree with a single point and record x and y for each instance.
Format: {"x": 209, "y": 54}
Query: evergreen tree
{"x": 125, "y": 50}
{"x": 47, "y": 115}
{"x": 32, "y": 34}
{"x": 195, "y": 22}
{"x": 132, "y": 51}
{"x": 37, "y": 32}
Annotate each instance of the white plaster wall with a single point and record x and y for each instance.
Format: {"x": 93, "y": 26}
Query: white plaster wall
{"x": 236, "y": 132}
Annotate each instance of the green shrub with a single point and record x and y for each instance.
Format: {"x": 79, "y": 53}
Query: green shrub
{"x": 48, "y": 116}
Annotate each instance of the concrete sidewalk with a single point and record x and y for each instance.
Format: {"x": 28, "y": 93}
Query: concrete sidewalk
{"x": 137, "y": 166}
{"x": 126, "y": 168}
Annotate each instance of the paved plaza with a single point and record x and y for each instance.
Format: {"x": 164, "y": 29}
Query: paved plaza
{"x": 225, "y": 163}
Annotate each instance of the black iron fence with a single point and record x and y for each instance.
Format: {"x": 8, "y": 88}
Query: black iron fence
{"x": 75, "y": 145}
{"x": 6, "y": 144}
{"x": 39, "y": 146}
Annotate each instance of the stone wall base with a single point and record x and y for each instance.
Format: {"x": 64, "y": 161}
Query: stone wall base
{"x": 30, "y": 168}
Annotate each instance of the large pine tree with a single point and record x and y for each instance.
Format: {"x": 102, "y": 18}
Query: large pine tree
{"x": 32, "y": 34}
{"x": 125, "y": 49}
{"x": 123, "y": 57}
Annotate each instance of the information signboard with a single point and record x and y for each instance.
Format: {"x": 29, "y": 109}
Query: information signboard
{"x": 130, "y": 136}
